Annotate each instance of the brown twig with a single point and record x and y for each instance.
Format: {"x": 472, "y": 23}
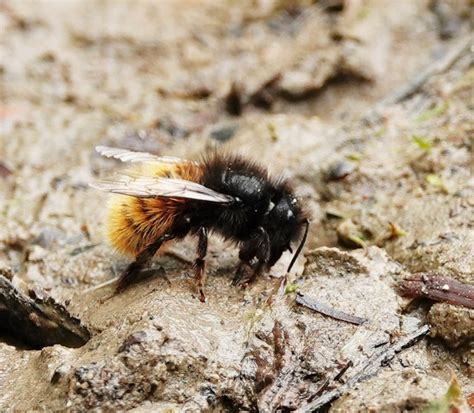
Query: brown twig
{"x": 335, "y": 376}
{"x": 343, "y": 369}
{"x": 437, "y": 287}
{"x": 327, "y": 310}
{"x": 368, "y": 369}
{"x": 284, "y": 369}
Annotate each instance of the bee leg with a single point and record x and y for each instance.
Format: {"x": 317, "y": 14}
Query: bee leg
{"x": 263, "y": 255}
{"x": 240, "y": 272}
{"x": 259, "y": 247}
{"x": 199, "y": 263}
{"x": 257, "y": 271}
{"x": 130, "y": 275}
{"x": 246, "y": 255}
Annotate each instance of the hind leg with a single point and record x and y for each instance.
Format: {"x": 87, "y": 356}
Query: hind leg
{"x": 200, "y": 263}
{"x": 131, "y": 274}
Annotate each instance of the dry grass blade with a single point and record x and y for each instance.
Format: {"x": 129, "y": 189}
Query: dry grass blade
{"x": 329, "y": 311}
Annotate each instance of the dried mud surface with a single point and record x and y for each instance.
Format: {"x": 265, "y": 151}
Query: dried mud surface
{"x": 307, "y": 89}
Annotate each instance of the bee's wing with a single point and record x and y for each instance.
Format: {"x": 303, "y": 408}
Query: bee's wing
{"x": 153, "y": 187}
{"x": 126, "y": 155}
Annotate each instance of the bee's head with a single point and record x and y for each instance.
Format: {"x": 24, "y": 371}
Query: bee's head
{"x": 285, "y": 222}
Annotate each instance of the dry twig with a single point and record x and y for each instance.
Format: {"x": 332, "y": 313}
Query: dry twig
{"x": 327, "y": 310}
{"x": 369, "y": 369}
{"x": 437, "y": 287}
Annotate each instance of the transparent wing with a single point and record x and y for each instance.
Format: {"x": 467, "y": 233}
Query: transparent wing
{"x": 152, "y": 187}
{"x": 126, "y": 155}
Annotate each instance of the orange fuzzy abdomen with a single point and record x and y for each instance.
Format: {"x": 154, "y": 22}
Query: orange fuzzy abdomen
{"x": 133, "y": 223}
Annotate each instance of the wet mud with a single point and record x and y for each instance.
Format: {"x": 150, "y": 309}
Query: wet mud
{"x": 366, "y": 105}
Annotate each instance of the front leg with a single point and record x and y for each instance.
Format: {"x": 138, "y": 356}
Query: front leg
{"x": 200, "y": 263}
{"x": 130, "y": 275}
{"x": 257, "y": 247}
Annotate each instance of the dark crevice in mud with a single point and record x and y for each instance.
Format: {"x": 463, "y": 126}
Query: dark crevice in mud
{"x": 36, "y": 322}
{"x": 339, "y": 79}
{"x": 8, "y": 335}
{"x": 271, "y": 91}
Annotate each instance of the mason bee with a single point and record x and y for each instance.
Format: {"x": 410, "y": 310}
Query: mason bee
{"x": 165, "y": 198}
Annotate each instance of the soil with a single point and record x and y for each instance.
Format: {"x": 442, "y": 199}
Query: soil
{"x": 314, "y": 90}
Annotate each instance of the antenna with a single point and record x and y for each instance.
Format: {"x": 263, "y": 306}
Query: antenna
{"x": 300, "y": 247}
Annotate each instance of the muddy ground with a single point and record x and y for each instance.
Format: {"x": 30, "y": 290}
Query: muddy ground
{"x": 366, "y": 105}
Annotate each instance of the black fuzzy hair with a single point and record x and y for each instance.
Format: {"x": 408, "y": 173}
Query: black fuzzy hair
{"x": 263, "y": 202}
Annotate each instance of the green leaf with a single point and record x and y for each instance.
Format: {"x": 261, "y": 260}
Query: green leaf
{"x": 450, "y": 402}
{"x": 381, "y": 132}
{"x": 273, "y": 133}
{"x": 435, "y": 180}
{"x": 396, "y": 231}
{"x": 422, "y": 143}
{"x": 291, "y": 288}
{"x": 354, "y": 156}
{"x": 358, "y": 240}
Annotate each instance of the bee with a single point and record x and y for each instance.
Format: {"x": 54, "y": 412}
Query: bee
{"x": 164, "y": 198}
